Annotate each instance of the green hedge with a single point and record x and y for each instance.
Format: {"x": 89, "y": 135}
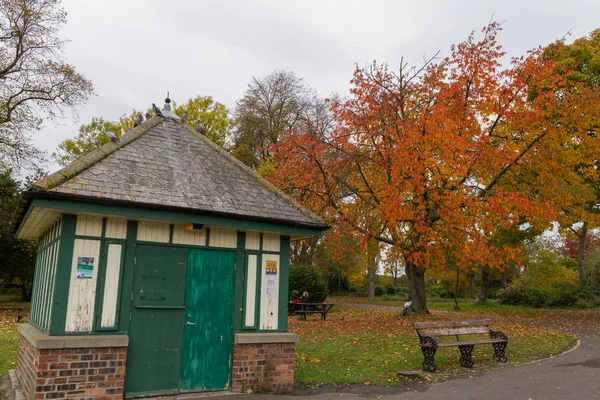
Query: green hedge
{"x": 548, "y": 297}
{"x": 306, "y": 278}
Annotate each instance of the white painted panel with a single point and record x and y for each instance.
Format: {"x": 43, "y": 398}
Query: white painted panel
{"x": 116, "y": 228}
{"x": 271, "y": 242}
{"x": 221, "y": 237}
{"x": 82, "y": 292}
{"x": 111, "y": 286}
{"x": 88, "y": 225}
{"x": 251, "y": 291}
{"x": 269, "y": 304}
{"x": 194, "y": 238}
{"x": 253, "y": 240}
{"x": 153, "y": 232}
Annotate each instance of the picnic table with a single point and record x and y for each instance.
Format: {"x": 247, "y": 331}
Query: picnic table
{"x": 19, "y": 312}
{"x": 301, "y": 309}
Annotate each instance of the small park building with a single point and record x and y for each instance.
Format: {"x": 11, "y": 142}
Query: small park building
{"x": 162, "y": 268}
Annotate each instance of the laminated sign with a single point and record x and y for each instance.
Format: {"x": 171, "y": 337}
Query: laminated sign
{"x": 271, "y": 278}
{"x": 85, "y": 267}
{"x": 271, "y": 267}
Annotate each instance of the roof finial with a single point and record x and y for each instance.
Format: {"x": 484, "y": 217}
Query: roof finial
{"x": 167, "y": 109}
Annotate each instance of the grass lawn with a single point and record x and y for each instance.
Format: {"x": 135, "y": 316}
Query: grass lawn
{"x": 9, "y": 342}
{"x": 356, "y": 346}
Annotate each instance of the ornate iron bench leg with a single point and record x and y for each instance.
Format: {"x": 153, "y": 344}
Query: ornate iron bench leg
{"x": 466, "y": 360}
{"x": 499, "y": 348}
{"x": 429, "y": 359}
{"x": 500, "y": 352}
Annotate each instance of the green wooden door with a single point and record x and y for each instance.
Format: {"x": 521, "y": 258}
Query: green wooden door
{"x": 156, "y": 320}
{"x": 208, "y": 329}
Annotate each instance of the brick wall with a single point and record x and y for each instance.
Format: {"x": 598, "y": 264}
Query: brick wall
{"x": 263, "y": 367}
{"x": 79, "y": 373}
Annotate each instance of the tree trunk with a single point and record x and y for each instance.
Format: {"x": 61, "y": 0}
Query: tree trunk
{"x": 581, "y": 252}
{"x": 372, "y": 261}
{"x": 472, "y": 284}
{"x": 504, "y": 279}
{"x": 485, "y": 284}
{"x": 416, "y": 288}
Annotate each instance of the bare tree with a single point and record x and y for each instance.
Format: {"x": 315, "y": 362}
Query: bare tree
{"x": 36, "y": 84}
{"x": 271, "y": 105}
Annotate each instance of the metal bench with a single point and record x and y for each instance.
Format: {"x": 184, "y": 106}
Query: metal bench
{"x": 429, "y": 332}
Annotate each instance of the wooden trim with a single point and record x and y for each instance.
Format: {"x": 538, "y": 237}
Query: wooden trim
{"x": 63, "y": 275}
{"x": 284, "y": 282}
{"x": 171, "y": 216}
{"x": 239, "y": 281}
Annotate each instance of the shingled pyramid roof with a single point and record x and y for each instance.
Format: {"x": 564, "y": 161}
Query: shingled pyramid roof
{"x": 166, "y": 163}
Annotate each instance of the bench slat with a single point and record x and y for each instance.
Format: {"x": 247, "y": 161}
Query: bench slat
{"x": 452, "y": 324}
{"x": 471, "y": 342}
{"x": 455, "y": 331}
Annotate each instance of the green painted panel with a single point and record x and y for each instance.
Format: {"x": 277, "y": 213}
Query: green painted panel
{"x": 63, "y": 275}
{"x": 240, "y": 275}
{"x": 284, "y": 283}
{"x": 156, "y": 320}
{"x": 208, "y": 330}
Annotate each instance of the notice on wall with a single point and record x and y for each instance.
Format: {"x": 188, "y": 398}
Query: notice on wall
{"x": 85, "y": 267}
{"x": 271, "y": 268}
{"x": 271, "y": 286}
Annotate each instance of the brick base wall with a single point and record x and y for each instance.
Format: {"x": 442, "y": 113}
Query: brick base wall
{"x": 263, "y": 366}
{"x": 78, "y": 373}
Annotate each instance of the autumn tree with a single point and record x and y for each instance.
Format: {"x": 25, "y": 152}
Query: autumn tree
{"x": 417, "y": 157}
{"x": 271, "y": 105}
{"x": 581, "y": 215}
{"x": 37, "y": 85}
{"x": 213, "y": 115}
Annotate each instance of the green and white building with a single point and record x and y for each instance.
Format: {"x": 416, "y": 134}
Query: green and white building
{"x": 162, "y": 268}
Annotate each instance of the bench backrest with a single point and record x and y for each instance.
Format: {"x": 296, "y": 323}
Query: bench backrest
{"x": 451, "y": 328}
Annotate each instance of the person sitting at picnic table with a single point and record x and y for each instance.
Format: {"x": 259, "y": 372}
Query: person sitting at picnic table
{"x": 304, "y": 298}
{"x": 294, "y": 298}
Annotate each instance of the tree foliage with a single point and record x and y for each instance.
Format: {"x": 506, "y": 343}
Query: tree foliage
{"x": 36, "y": 84}
{"x": 17, "y": 257}
{"x": 582, "y": 213}
{"x": 429, "y": 160}
{"x": 213, "y": 115}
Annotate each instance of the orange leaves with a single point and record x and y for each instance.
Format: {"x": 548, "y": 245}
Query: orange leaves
{"x": 436, "y": 160}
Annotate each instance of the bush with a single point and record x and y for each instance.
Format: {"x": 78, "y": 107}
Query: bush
{"x": 379, "y": 291}
{"x": 557, "y": 296}
{"x": 306, "y": 278}
{"x": 390, "y": 290}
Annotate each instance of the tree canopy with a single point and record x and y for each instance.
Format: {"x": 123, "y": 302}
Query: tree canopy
{"x": 428, "y": 159}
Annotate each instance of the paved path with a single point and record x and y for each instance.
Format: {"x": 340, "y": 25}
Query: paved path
{"x": 573, "y": 375}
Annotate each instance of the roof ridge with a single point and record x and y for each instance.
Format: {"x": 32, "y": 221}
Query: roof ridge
{"x": 92, "y": 158}
{"x": 253, "y": 174}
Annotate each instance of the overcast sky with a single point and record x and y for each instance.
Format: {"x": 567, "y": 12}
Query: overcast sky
{"x": 136, "y": 50}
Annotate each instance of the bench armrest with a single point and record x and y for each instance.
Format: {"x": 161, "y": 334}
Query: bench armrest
{"x": 498, "y": 335}
{"x": 427, "y": 341}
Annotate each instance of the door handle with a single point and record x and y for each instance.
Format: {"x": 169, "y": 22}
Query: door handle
{"x": 190, "y": 323}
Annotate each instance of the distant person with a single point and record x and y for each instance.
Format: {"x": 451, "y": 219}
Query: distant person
{"x": 295, "y": 297}
{"x": 305, "y": 298}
